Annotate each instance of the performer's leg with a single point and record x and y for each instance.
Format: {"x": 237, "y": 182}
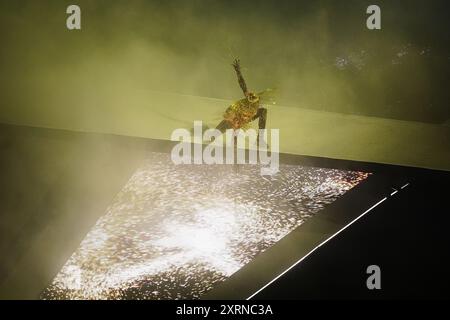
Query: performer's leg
{"x": 261, "y": 115}
{"x": 262, "y": 118}
{"x": 223, "y": 126}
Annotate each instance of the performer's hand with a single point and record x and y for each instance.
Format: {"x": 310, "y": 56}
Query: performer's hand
{"x": 236, "y": 64}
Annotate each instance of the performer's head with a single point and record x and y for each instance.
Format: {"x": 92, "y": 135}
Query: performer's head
{"x": 252, "y": 98}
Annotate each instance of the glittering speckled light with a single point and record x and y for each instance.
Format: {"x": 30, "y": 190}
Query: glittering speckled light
{"x": 175, "y": 232}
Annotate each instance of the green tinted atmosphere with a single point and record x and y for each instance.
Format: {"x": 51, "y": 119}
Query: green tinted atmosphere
{"x": 144, "y": 68}
{"x": 319, "y": 54}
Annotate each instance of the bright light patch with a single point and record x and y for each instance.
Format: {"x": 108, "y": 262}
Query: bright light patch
{"x": 174, "y": 232}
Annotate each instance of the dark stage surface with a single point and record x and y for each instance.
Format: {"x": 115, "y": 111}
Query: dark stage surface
{"x": 56, "y": 184}
{"x": 407, "y": 237}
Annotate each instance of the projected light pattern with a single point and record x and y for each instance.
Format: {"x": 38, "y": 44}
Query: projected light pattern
{"x": 174, "y": 232}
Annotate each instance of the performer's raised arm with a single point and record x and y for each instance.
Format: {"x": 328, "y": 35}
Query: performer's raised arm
{"x": 237, "y": 68}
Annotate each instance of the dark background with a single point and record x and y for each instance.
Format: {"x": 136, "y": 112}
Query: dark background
{"x": 406, "y": 236}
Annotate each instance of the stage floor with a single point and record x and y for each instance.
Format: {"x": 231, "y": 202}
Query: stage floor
{"x": 106, "y": 216}
{"x": 176, "y": 231}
